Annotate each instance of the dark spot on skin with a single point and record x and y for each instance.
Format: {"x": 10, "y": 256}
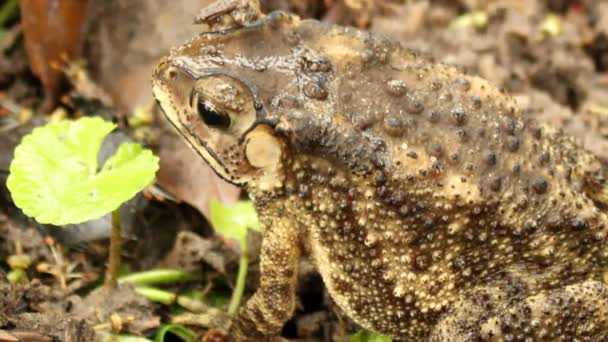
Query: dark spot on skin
{"x": 379, "y": 178}
{"x": 459, "y": 116}
{"x": 436, "y": 85}
{"x": 579, "y": 224}
{"x": 530, "y": 226}
{"x": 462, "y": 134}
{"x": 396, "y": 87}
{"x": 495, "y": 183}
{"x": 463, "y": 84}
{"x": 544, "y": 158}
{"x": 436, "y": 149}
{"x": 414, "y": 106}
{"x": 434, "y": 117}
{"x": 512, "y": 126}
{"x": 364, "y": 121}
{"x": 516, "y": 168}
{"x": 491, "y": 158}
{"x": 314, "y": 91}
{"x": 422, "y": 262}
{"x": 476, "y": 102}
{"x": 512, "y": 144}
{"x": 318, "y": 65}
{"x": 540, "y": 185}
{"x": 394, "y": 126}
{"x": 445, "y": 97}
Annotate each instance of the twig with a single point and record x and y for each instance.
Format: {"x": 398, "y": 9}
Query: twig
{"x": 115, "y": 249}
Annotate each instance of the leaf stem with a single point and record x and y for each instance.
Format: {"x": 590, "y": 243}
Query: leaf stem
{"x": 115, "y": 248}
{"x": 241, "y": 277}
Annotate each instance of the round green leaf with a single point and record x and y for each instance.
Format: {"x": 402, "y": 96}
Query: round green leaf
{"x": 54, "y": 175}
{"x": 233, "y": 221}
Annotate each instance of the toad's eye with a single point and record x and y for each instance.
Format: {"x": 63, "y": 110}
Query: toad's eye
{"x": 212, "y": 117}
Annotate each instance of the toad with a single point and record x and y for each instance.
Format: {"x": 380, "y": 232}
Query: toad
{"x": 433, "y": 208}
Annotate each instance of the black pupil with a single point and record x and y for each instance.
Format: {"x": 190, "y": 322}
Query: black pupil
{"x": 212, "y": 117}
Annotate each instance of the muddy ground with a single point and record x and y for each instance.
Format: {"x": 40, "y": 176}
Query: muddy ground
{"x": 552, "y": 55}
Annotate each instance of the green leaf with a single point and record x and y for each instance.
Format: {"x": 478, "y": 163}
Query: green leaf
{"x": 158, "y": 276}
{"x": 180, "y": 331}
{"x": 17, "y": 276}
{"x": 233, "y": 221}
{"x": 156, "y": 295}
{"x": 54, "y": 175}
{"x": 368, "y": 336}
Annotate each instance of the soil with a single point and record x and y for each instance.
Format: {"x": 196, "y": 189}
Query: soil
{"x": 552, "y": 55}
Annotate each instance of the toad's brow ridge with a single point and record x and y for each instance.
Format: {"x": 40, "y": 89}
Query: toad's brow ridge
{"x": 199, "y": 64}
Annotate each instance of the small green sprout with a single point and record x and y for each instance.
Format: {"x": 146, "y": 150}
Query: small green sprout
{"x": 18, "y": 262}
{"x": 233, "y": 222}
{"x": 368, "y": 336}
{"x": 54, "y": 177}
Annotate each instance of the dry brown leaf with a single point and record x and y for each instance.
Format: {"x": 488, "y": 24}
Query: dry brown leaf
{"x": 53, "y": 35}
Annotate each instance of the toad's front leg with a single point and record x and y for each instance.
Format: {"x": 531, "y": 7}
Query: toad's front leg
{"x": 273, "y": 303}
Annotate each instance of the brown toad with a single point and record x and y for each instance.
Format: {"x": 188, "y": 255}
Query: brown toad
{"x": 432, "y": 207}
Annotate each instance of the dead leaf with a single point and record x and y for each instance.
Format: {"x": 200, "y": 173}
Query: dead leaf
{"x": 53, "y": 35}
{"x": 190, "y": 250}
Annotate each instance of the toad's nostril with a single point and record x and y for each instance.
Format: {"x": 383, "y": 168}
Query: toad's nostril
{"x": 172, "y": 74}
{"x": 165, "y": 70}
